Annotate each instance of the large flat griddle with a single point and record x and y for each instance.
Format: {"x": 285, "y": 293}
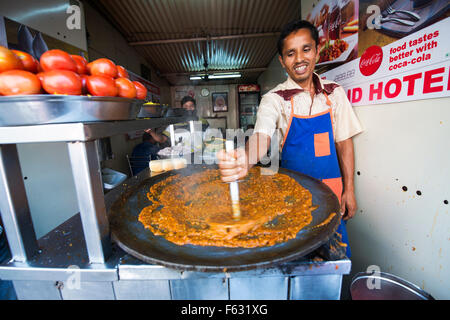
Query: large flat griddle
{"x": 126, "y": 202}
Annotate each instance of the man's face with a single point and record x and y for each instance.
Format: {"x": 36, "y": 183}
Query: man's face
{"x": 189, "y": 105}
{"x": 299, "y": 55}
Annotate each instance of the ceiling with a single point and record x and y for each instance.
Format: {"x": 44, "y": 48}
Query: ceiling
{"x": 179, "y": 38}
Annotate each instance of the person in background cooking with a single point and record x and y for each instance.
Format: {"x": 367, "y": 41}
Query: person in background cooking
{"x": 144, "y": 152}
{"x": 314, "y": 119}
{"x": 163, "y": 136}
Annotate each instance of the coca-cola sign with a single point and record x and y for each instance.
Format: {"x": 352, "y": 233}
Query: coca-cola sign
{"x": 371, "y": 60}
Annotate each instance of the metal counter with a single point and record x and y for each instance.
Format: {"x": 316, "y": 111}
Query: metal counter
{"x": 61, "y": 270}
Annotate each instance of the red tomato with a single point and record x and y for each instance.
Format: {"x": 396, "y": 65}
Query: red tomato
{"x": 84, "y": 89}
{"x": 9, "y": 60}
{"x": 28, "y": 61}
{"x": 40, "y": 76}
{"x": 39, "y": 68}
{"x": 89, "y": 66}
{"x": 103, "y": 67}
{"x": 57, "y": 60}
{"x": 101, "y": 86}
{"x": 141, "y": 90}
{"x": 81, "y": 64}
{"x": 126, "y": 88}
{"x": 16, "y": 82}
{"x": 122, "y": 72}
{"x": 61, "y": 82}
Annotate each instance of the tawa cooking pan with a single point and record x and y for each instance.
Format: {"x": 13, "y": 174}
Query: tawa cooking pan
{"x": 126, "y": 202}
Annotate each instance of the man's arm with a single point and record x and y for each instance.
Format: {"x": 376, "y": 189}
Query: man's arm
{"x": 347, "y": 162}
{"x": 159, "y": 137}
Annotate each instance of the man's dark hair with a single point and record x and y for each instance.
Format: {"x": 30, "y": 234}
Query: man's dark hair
{"x": 187, "y": 99}
{"x": 294, "y": 26}
{"x": 146, "y": 137}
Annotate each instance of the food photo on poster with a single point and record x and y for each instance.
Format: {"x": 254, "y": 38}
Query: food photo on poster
{"x": 337, "y": 23}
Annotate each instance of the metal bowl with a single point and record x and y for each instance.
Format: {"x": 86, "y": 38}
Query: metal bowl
{"x": 151, "y": 111}
{"x": 48, "y": 109}
{"x": 174, "y": 112}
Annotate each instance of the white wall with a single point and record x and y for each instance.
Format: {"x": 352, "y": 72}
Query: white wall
{"x": 273, "y": 76}
{"x": 406, "y": 234}
{"x": 48, "y": 183}
{"x": 105, "y": 41}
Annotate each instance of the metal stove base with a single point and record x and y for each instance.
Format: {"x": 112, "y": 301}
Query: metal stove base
{"x": 61, "y": 271}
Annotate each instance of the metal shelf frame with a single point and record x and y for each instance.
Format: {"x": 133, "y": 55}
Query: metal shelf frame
{"x": 86, "y": 170}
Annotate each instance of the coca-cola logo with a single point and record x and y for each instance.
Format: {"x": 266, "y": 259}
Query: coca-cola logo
{"x": 370, "y": 60}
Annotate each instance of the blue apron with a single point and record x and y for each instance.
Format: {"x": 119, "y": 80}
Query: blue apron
{"x": 309, "y": 148}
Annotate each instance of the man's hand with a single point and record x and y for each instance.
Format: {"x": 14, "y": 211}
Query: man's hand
{"x": 347, "y": 163}
{"x": 348, "y": 202}
{"x": 233, "y": 165}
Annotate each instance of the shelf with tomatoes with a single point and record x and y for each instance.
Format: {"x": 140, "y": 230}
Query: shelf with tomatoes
{"x": 57, "y": 72}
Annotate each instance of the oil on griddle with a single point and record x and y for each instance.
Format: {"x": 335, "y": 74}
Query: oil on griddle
{"x": 196, "y": 210}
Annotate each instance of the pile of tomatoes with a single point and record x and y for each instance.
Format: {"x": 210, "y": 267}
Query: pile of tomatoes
{"x": 58, "y": 72}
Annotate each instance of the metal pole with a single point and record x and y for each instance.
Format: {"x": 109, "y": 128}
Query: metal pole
{"x": 198, "y": 39}
{"x": 3, "y": 38}
{"x": 14, "y": 206}
{"x": 89, "y": 187}
{"x": 172, "y": 135}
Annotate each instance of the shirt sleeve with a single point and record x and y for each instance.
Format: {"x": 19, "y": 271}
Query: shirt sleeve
{"x": 166, "y": 132}
{"x": 267, "y": 116}
{"x": 347, "y": 124}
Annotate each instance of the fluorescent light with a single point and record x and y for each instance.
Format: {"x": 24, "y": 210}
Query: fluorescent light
{"x": 216, "y": 76}
{"x": 224, "y": 75}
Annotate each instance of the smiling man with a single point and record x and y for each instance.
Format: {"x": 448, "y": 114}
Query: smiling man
{"x": 314, "y": 119}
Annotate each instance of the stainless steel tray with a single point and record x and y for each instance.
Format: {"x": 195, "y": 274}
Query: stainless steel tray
{"x": 47, "y": 109}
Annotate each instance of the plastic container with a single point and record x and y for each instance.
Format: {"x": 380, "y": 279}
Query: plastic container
{"x": 111, "y": 178}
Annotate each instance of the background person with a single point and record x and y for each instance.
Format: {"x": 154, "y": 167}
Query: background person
{"x": 144, "y": 152}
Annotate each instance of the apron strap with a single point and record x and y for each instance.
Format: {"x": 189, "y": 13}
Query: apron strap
{"x": 328, "y": 100}
{"x": 292, "y": 106}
